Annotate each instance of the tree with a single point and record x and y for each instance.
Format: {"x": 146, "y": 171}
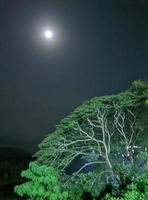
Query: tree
{"x": 43, "y": 184}
{"x": 103, "y": 131}
{"x": 96, "y": 134}
{"x": 131, "y": 99}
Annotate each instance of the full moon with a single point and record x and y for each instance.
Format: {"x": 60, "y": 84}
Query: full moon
{"x": 48, "y": 34}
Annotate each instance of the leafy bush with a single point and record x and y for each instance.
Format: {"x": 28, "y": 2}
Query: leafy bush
{"x": 43, "y": 184}
{"x": 142, "y": 184}
{"x": 138, "y": 190}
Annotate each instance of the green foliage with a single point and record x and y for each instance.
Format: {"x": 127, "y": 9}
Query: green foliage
{"x": 139, "y": 86}
{"x": 86, "y": 183}
{"x": 130, "y": 195}
{"x": 137, "y": 190}
{"x": 142, "y": 124}
{"x": 126, "y": 173}
{"x": 133, "y": 98}
{"x": 144, "y": 156}
{"x": 43, "y": 184}
{"x": 55, "y": 153}
{"x": 50, "y": 154}
{"x": 141, "y": 184}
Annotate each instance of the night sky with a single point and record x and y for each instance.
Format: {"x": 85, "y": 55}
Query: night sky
{"x": 99, "y": 48}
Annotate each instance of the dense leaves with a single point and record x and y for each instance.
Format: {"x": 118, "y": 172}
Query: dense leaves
{"x": 43, "y": 183}
{"x": 137, "y": 190}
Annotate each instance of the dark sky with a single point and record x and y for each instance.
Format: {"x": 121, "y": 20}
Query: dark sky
{"x": 99, "y": 48}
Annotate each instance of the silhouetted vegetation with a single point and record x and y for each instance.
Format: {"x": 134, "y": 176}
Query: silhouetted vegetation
{"x": 12, "y": 162}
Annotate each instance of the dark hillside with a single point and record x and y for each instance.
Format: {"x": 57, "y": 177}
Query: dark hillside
{"x": 12, "y": 162}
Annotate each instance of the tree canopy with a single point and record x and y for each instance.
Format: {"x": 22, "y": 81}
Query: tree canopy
{"x": 107, "y": 134}
{"x": 135, "y": 98}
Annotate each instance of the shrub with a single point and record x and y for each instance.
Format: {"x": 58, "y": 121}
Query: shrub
{"x": 43, "y": 184}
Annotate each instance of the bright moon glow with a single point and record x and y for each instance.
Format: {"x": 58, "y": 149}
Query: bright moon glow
{"x": 48, "y": 34}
